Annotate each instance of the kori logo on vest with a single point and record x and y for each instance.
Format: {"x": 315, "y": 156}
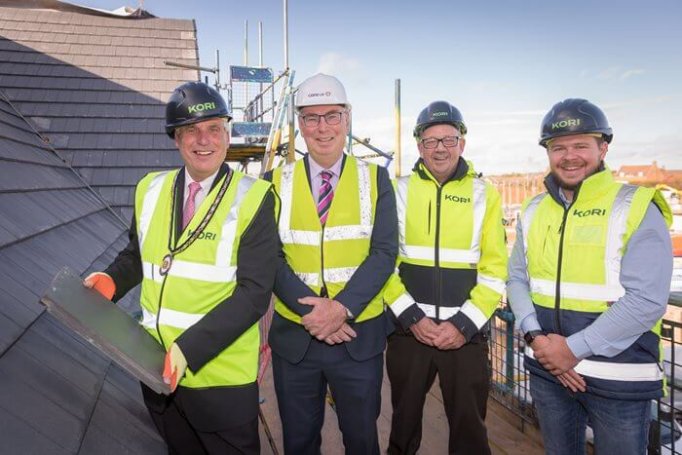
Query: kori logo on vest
{"x": 589, "y": 212}
{"x": 455, "y": 198}
{"x": 203, "y": 235}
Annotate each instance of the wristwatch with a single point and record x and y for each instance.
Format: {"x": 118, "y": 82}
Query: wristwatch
{"x": 349, "y": 315}
{"x": 529, "y": 336}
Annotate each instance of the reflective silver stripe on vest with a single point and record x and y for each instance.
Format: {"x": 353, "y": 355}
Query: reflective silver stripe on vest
{"x": 493, "y": 283}
{"x": 192, "y": 271}
{"x": 171, "y": 318}
{"x": 333, "y": 275}
{"x": 339, "y": 274}
{"x": 365, "y": 197}
{"x": 616, "y": 236}
{"x": 229, "y": 229}
{"x": 428, "y": 253}
{"x": 474, "y": 313}
{"x": 613, "y": 371}
{"x": 527, "y": 218}
{"x": 401, "y": 206}
{"x": 332, "y": 233}
{"x": 311, "y": 238}
{"x": 402, "y": 303}
{"x": 480, "y": 203}
{"x": 469, "y": 256}
{"x": 149, "y": 204}
{"x": 611, "y": 290}
{"x": 286, "y": 198}
{"x": 444, "y": 312}
{"x": 349, "y": 232}
{"x": 577, "y": 291}
{"x": 221, "y": 271}
{"x": 311, "y": 279}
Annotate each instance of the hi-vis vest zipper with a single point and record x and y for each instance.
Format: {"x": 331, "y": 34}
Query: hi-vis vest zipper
{"x": 200, "y": 277}
{"x": 584, "y": 246}
{"x": 326, "y": 257}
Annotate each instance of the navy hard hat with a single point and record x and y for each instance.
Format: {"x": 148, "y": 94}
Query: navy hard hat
{"x": 574, "y": 116}
{"x": 437, "y": 113}
{"x": 193, "y": 102}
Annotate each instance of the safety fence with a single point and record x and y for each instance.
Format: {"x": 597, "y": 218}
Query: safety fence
{"x": 510, "y": 380}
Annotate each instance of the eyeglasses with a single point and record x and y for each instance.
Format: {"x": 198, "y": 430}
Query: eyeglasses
{"x": 432, "y": 142}
{"x": 332, "y": 118}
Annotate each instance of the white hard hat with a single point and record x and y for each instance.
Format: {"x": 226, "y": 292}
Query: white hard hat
{"x": 321, "y": 89}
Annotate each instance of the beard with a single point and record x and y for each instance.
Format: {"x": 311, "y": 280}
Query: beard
{"x": 565, "y": 185}
{"x": 574, "y": 185}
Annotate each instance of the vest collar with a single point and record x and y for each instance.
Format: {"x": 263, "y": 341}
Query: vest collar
{"x": 589, "y": 188}
{"x": 461, "y": 170}
{"x": 180, "y": 187}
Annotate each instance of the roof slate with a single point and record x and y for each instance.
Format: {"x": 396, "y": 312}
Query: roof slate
{"x": 81, "y": 120}
{"x": 110, "y": 71}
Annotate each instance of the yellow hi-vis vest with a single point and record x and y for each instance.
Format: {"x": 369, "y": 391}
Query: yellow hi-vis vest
{"x": 202, "y": 276}
{"x": 589, "y": 239}
{"x": 327, "y": 256}
{"x": 465, "y": 219}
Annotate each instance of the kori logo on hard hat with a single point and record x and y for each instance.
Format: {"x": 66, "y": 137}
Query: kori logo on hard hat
{"x": 201, "y": 107}
{"x": 314, "y": 95}
{"x": 566, "y": 123}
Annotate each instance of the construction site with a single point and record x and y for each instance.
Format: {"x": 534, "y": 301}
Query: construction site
{"x": 82, "y": 99}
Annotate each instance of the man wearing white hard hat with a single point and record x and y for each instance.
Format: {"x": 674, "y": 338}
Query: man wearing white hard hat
{"x": 339, "y": 237}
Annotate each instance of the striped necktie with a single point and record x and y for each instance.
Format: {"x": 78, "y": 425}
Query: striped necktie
{"x": 189, "y": 209}
{"x": 324, "y": 200}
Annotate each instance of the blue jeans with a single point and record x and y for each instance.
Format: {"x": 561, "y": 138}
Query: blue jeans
{"x": 620, "y": 427}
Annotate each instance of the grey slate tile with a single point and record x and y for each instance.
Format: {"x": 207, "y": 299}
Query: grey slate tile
{"x": 21, "y": 437}
{"x": 9, "y": 332}
{"x": 112, "y": 413}
{"x": 34, "y": 394}
{"x": 63, "y": 365}
{"x": 19, "y": 302}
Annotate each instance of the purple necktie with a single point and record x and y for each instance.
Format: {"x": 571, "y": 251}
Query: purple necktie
{"x": 189, "y": 209}
{"x": 324, "y": 200}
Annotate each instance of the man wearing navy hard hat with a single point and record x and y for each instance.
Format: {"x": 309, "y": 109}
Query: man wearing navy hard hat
{"x": 203, "y": 244}
{"x": 451, "y": 273}
{"x": 589, "y": 278}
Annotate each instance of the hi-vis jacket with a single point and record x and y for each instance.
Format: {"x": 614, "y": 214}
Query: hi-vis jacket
{"x": 200, "y": 277}
{"x": 326, "y": 257}
{"x": 574, "y": 258}
{"x": 453, "y": 260}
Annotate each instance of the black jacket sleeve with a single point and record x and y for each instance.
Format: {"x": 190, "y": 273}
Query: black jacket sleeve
{"x": 126, "y": 270}
{"x": 256, "y": 259}
{"x": 377, "y": 267}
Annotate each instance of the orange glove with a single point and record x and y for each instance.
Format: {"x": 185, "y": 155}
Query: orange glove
{"x": 102, "y": 283}
{"x": 174, "y": 366}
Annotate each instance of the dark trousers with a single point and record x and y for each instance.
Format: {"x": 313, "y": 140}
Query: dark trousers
{"x": 464, "y": 379}
{"x": 183, "y": 438}
{"x": 301, "y": 389}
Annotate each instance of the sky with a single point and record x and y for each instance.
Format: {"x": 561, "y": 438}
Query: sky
{"x": 503, "y": 64}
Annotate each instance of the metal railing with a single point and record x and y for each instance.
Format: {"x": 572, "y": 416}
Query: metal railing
{"x": 509, "y": 379}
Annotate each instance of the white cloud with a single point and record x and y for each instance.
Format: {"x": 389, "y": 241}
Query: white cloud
{"x": 630, "y": 73}
{"x": 339, "y": 65}
{"x": 611, "y": 73}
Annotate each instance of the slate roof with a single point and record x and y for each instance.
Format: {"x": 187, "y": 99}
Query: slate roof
{"x": 96, "y": 87}
{"x": 81, "y": 107}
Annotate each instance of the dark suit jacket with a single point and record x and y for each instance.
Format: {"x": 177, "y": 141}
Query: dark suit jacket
{"x": 290, "y": 340}
{"x": 220, "y": 407}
